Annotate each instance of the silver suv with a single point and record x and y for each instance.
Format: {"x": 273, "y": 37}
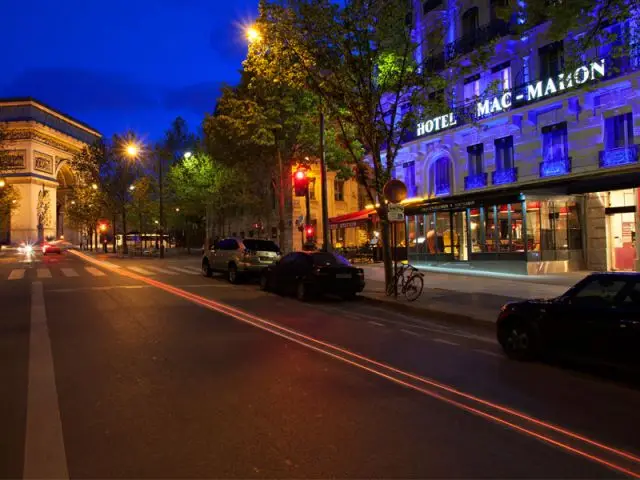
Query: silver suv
{"x": 238, "y": 257}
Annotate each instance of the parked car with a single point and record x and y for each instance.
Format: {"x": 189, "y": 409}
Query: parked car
{"x": 49, "y": 247}
{"x": 239, "y": 257}
{"x": 313, "y": 273}
{"x": 597, "y": 320}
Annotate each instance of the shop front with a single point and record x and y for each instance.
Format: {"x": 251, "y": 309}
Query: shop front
{"x": 508, "y": 233}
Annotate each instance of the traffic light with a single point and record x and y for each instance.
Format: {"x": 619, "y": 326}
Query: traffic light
{"x": 309, "y": 232}
{"x": 301, "y": 182}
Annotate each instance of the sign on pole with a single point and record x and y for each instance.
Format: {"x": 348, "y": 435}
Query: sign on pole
{"x": 395, "y": 212}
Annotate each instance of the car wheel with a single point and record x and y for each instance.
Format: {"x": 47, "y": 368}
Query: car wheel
{"x": 206, "y": 270}
{"x": 301, "y": 292}
{"x": 232, "y": 274}
{"x": 264, "y": 282}
{"x": 519, "y": 340}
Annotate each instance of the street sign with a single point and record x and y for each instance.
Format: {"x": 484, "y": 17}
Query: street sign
{"x": 395, "y": 212}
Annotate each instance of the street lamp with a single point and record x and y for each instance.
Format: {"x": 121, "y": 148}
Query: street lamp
{"x": 132, "y": 188}
{"x": 188, "y": 154}
{"x": 94, "y": 186}
{"x": 253, "y": 34}
{"x": 132, "y": 150}
{"x": 177, "y": 210}
{"x": 2, "y": 183}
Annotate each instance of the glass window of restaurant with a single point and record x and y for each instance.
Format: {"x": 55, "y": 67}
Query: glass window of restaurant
{"x": 554, "y": 230}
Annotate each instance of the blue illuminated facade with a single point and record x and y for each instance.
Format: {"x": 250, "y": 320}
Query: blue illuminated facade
{"x": 524, "y": 165}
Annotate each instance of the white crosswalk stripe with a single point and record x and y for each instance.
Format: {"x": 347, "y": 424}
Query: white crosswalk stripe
{"x": 44, "y": 273}
{"x": 95, "y": 272}
{"x": 69, "y": 272}
{"x": 141, "y": 270}
{"x": 195, "y": 269}
{"x": 184, "y": 270}
{"x": 161, "y": 270}
{"x": 17, "y": 274}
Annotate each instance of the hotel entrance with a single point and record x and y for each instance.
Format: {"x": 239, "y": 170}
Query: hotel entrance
{"x": 621, "y": 230}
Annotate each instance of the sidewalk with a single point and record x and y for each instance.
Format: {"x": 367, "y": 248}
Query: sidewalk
{"x": 468, "y": 297}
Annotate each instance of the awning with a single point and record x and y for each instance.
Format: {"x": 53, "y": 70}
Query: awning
{"x": 353, "y": 219}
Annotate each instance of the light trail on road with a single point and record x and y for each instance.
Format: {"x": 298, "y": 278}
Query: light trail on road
{"x": 575, "y": 443}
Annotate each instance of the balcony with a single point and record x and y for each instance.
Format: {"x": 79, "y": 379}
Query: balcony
{"x": 555, "y": 167}
{"x": 617, "y": 157}
{"x": 500, "y": 177}
{"x": 443, "y": 189}
{"x": 475, "y": 181}
{"x": 479, "y": 37}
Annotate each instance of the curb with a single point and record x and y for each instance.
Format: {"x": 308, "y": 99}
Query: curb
{"x": 458, "y": 318}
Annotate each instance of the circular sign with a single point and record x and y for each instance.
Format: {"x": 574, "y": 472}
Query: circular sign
{"x": 394, "y": 191}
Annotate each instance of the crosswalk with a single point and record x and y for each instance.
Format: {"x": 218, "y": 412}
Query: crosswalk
{"x": 87, "y": 271}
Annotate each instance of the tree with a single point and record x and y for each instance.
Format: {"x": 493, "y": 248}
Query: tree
{"x": 378, "y": 72}
{"x": 144, "y": 208}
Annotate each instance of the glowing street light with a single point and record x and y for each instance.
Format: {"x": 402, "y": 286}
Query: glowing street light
{"x": 132, "y": 187}
{"x": 253, "y": 34}
{"x": 94, "y": 186}
{"x": 188, "y": 154}
{"x": 132, "y": 150}
{"x": 177, "y": 209}
{"x": 2, "y": 183}
{"x": 156, "y": 222}
{"x": 73, "y": 202}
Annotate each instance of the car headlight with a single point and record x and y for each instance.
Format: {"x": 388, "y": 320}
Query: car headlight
{"x": 28, "y": 249}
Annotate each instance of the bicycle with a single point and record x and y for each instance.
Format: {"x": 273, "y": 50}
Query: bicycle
{"x": 409, "y": 282}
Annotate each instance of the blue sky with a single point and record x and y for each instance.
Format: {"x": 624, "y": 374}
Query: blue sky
{"x": 124, "y": 63}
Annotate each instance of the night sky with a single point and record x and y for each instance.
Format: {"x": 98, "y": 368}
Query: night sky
{"x": 123, "y": 63}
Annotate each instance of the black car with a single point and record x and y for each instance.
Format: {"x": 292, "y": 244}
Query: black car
{"x": 313, "y": 273}
{"x": 597, "y": 320}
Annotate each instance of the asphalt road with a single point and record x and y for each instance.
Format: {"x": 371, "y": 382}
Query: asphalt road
{"x": 145, "y": 369}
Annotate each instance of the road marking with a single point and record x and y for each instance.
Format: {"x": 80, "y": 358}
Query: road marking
{"x": 44, "y": 273}
{"x": 69, "y": 272}
{"x": 17, "y": 274}
{"x": 446, "y": 342}
{"x": 410, "y": 332}
{"x": 95, "y": 272}
{"x": 141, "y": 270}
{"x": 161, "y": 270}
{"x": 487, "y": 352}
{"x": 377, "y": 324}
{"x": 195, "y": 269}
{"x": 184, "y": 270}
{"x": 44, "y": 454}
{"x": 563, "y": 438}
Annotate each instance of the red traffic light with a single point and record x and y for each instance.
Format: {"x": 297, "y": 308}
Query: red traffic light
{"x": 301, "y": 182}
{"x": 309, "y": 231}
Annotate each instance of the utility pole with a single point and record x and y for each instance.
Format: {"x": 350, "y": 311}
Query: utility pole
{"x": 326, "y": 242}
{"x": 161, "y": 206}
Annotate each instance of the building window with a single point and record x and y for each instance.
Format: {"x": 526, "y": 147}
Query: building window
{"x": 410, "y": 178}
{"x": 501, "y": 77}
{"x": 338, "y": 190}
{"x": 440, "y": 174}
{"x": 555, "y": 147}
{"x": 618, "y": 131}
{"x": 475, "y": 154}
{"x": 312, "y": 188}
{"x": 504, "y": 153}
{"x": 470, "y": 22}
{"x": 430, "y": 5}
{"x": 551, "y": 60}
{"x": 471, "y": 88}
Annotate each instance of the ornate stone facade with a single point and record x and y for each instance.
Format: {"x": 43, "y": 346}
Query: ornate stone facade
{"x": 37, "y": 144}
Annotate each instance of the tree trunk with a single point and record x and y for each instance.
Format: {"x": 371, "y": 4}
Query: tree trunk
{"x": 115, "y": 244}
{"x": 207, "y": 233}
{"x": 387, "y": 256}
{"x": 95, "y": 236}
{"x": 125, "y": 248}
{"x": 281, "y": 199}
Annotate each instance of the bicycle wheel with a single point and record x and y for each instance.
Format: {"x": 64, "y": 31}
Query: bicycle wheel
{"x": 413, "y": 289}
{"x": 399, "y": 281}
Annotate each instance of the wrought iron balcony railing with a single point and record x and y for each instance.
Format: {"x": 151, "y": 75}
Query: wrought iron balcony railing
{"x": 478, "y": 180}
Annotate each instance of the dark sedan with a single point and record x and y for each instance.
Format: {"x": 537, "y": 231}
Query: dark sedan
{"x": 597, "y": 320}
{"x": 308, "y": 274}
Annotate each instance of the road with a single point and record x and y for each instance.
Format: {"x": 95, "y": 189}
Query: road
{"x": 145, "y": 369}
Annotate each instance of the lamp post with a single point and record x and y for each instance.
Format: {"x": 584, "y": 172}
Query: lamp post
{"x": 132, "y": 151}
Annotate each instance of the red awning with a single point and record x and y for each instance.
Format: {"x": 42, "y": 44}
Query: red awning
{"x": 351, "y": 219}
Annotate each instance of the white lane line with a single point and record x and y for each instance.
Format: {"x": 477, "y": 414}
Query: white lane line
{"x": 446, "y": 342}
{"x": 44, "y": 273}
{"x": 411, "y": 332}
{"x": 17, "y": 274}
{"x": 69, "y": 272}
{"x": 184, "y": 270}
{"x": 44, "y": 454}
{"x": 95, "y": 272}
{"x": 161, "y": 270}
{"x": 141, "y": 270}
{"x": 377, "y": 324}
{"x": 488, "y": 353}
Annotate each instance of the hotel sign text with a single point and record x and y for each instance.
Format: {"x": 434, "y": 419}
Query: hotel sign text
{"x": 531, "y": 92}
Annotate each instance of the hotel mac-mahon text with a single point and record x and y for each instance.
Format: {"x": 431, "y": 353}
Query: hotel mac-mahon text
{"x": 546, "y": 178}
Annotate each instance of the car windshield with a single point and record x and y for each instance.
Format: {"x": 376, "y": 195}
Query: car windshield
{"x": 322, "y": 259}
{"x": 261, "y": 245}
